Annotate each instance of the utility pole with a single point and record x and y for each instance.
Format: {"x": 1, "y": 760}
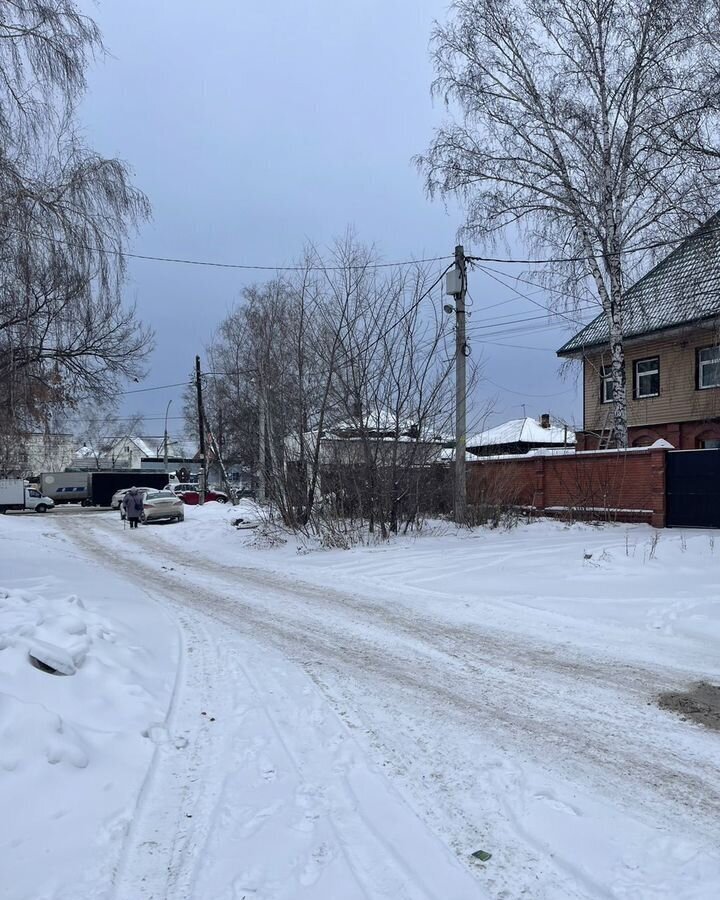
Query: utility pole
{"x": 456, "y": 285}
{"x": 201, "y": 430}
{"x": 165, "y": 440}
{"x": 261, "y": 444}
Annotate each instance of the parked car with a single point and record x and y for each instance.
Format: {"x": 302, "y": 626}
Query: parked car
{"x": 158, "y": 505}
{"x": 190, "y": 493}
{"x": 144, "y": 490}
{"x": 118, "y": 497}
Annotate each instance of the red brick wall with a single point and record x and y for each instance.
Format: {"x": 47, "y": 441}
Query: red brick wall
{"x": 594, "y": 485}
{"x": 682, "y": 435}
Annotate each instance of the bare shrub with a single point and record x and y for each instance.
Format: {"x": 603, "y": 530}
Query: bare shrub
{"x": 497, "y": 496}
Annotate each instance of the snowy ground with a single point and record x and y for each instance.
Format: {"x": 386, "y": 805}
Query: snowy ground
{"x": 379, "y": 714}
{"x": 179, "y": 759}
{"x": 72, "y": 750}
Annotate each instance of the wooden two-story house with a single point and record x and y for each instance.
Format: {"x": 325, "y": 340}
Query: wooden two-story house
{"x": 672, "y": 353}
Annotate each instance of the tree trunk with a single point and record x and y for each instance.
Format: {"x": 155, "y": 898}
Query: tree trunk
{"x": 617, "y": 355}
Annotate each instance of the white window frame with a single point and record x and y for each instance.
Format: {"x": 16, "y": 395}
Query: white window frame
{"x": 605, "y": 381}
{"x": 702, "y": 363}
{"x": 638, "y": 375}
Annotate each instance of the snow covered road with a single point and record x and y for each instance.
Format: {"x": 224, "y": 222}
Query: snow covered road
{"x": 256, "y": 788}
{"x": 510, "y": 728}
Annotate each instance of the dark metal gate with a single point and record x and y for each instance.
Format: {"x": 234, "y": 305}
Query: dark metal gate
{"x": 693, "y": 489}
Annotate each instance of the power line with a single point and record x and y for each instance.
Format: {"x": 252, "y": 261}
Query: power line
{"x": 500, "y": 302}
{"x": 536, "y": 302}
{"x": 413, "y": 306}
{"x": 540, "y": 288}
{"x": 140, "y": 416}
{"x": 517, "y": 325}
{"x": 520, "y": 320}
{"x": 178, "y": 260}
{"x": 640, "y": 248}
{"x": 159, "y": 387}
{"x": 500, "y": 387}
{"x": 504, "y": 336}
{"x": 513, "y": 346}
{"x": 242, "y": 266}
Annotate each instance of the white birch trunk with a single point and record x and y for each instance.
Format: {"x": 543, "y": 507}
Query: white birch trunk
{"x": 614, "y": 314}
{"x": 617, "y": 356}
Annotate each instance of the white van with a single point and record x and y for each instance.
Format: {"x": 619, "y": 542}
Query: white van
{"x": 15, "y": 494}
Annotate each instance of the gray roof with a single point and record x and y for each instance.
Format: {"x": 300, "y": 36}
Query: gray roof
{"x": 684, "y": 287}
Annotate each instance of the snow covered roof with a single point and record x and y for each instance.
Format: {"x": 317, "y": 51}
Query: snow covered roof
{"x": 522, "y": 431}
{"x": 684, "y": 287}
{"x": 146, "y": 446}
{"x": 372, "y": 420}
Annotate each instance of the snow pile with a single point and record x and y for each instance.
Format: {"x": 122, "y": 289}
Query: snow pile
{"x": 30, "y": 733}
{"x": 48, "y": 631}
{"x": 79, "y": 682}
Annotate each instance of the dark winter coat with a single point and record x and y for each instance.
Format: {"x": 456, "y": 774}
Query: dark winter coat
{"x": 133, "y": 503}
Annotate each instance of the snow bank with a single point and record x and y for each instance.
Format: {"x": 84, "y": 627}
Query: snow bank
{"x": 72, "y": 753}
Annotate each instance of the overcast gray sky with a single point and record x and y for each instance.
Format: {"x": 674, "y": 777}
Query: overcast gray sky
{"x": 255, "y": 127}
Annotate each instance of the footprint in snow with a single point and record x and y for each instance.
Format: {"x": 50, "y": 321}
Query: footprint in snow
{"x": 267, "y": 770}
{"x": 558, "y": 805}
{"x": 320, "y": 857}
{"x": 307, "y": 823}
{"x": 260, "y": 818}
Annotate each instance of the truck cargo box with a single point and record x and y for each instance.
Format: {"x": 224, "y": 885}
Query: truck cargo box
{"x": 104, "y": 484}
{"x": 65, "y": 487}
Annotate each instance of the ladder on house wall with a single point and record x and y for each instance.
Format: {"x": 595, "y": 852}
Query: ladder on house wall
{"x": 607, "y": 434}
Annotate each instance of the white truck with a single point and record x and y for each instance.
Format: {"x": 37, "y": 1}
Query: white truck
{"x": 15, "y": 494}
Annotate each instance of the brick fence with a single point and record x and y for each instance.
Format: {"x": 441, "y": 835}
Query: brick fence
{"x": 614, "y": 485}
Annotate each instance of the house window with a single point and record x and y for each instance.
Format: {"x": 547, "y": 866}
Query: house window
{"x": 710, "y": 444}
{"x": 708, "y": 367}
{"x": 647, "y": 377}
{"x": 606, "y": 385}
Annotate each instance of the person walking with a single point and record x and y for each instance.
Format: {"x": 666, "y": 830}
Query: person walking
{"x": 133, "y": 506}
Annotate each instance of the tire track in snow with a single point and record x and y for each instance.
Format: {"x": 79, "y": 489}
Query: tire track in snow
{"x": 160, "y": 852}
{"x": 510, "y": 694}
{"x": 482, "y": 645}
{"x": 517, "y": 694}
{"x": 196, "y": 793}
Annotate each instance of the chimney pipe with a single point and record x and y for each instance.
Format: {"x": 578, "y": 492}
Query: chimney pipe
{"x": 545, "y": 420}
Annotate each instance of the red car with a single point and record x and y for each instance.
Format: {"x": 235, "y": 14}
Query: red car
{"x": 189, "y": 493}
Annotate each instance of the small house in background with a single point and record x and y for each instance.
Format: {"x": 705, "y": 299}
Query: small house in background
{"x": 520, "y": 436}
{"x": 112, "y": 452}
{"x": 672, "y": 353}
{"x": 31, "y": 453}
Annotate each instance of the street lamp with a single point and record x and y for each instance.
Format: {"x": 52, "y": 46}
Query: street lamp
{"x": 165, "y": 442}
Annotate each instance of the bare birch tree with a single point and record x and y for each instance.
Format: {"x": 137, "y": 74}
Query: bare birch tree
{"x": 577, "y": 121}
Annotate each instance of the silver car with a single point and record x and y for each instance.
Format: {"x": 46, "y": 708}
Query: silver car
{"x": 119, "y": 496}
{"x": 158, "y": 505}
